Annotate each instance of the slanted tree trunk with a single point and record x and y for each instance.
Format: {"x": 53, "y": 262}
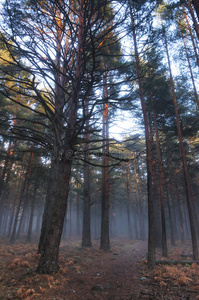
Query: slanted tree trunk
{"x": 196, "y": 6}
{"x": 191, "y": 35}
{"x": 191, "y": 73}
{"x": 184, "y": 161}
{"x": 196, "y": 25}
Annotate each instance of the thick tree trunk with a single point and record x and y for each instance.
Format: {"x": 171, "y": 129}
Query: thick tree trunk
{"x": 49, "y": 258}
{"x": 48, "y": 207}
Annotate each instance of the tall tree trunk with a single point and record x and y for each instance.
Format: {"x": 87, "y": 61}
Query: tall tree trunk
{"x": 128, "y": 209}
{"x": 184, "y": 161}
{"x": 64, "y": 140}
{"x": 47, "y": 212}
{"x": 29, "y": 234}
{"x": 142, "y": 229}
{"x": 151, "y": 229}
{"x": 171, "y": 221}
{"x": 161, "y": 179}
{"x": 25, "y": 202}
{"x": 77, "y": 215}
{"x": 105, "y": 240}
{"x": 196, "y": 25}
{"x": 191, "y": 35}
{"x": 156, "y": 195}
{"x": 22, "y": 185}
{"x": 86, "y": 233}
{"x": 191, "y": 73}
{"x": 196, "y": 6}
{"x": 133, "y": 205}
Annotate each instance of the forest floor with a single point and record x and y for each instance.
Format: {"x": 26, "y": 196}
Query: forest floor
{"x": 90, "y": 274}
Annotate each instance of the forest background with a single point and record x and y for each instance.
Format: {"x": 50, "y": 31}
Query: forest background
{"x": 70, "y": 70}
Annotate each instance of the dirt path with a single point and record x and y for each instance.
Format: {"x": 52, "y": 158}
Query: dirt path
{"x": 110, "y": 275}
{"x": 85, "y": 274}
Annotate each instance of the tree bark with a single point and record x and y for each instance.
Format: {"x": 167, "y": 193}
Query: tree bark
{"x": 161, "y": 179}
{"x": 191, "y": 35}
{"x": 184, "y": 161}
{"x": 128, "y": 209}
{"x": 196, "y": 6}
{"x": 49, "y": 258}
{"x": 151, "y": 231}
{"x": 196, "y": 25}
{"x": 29, "y": 234}
{"x": 105, "y": 239}
{"x": 191, "y": 73}
{"x": 86, "y": 233}
{"x": 133, "y": 205}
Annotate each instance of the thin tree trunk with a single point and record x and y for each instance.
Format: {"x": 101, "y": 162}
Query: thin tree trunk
{"x": 25, "y": 202}
{"x": 172, "y": 229}
{"x": 29, "y": 234}
{"x": 86, "y": 233}
{"x": 133, "y": 205}
{"x": 196, "y": 25}
{"x": 128, "y": 209}
{"x": 142, "y": 229}
{"x": 156, "y": 196}
{"x": 105, "y": 239}
{"x": 191, "y": 73}
{"x": 196, "y": 6}
{"x": 151, "y": 231}
{"x": 161, "y": 179}
{"x": 77, "y": 215}
{"x": 22, "y": 186}
{"x": 191, "y": 35}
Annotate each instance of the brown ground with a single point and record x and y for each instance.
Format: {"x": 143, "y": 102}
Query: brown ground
{"x": 89, "y": 274}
